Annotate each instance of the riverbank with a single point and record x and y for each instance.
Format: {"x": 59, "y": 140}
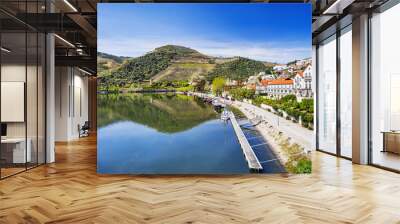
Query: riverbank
{"x": 297, "y": 134}
{"x": 140, "y": 91}
{"x": 269, "y": 133}
{"x": 291, "y": 152}
{"x": 290, "y": 142}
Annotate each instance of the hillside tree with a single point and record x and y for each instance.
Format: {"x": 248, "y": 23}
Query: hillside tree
{"x": 218, "y": 84}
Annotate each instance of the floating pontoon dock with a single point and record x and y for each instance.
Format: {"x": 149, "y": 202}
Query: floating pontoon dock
{"x": 252, "y": 160}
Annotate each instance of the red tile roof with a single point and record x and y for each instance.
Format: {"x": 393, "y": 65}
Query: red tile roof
{"x": 301, "y": 74}
{"x": 265, "y": 82}
{"x": 281, "y": 82}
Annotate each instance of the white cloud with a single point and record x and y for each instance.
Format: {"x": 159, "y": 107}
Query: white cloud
{"x": 266, "y": 51}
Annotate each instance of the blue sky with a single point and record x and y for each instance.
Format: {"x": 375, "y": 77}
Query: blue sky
{"x": 269, "y": 32}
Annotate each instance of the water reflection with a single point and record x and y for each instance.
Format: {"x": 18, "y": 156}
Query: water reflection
{"x": 167, "y": 113}
{"x": 169, "y": 134}
{"x": 164, "y": 134}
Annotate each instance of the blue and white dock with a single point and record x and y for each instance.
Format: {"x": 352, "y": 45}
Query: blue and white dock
{"x": 251, "y": 158}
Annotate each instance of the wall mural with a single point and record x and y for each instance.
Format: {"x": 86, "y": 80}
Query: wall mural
{"x": 204, "y": 88}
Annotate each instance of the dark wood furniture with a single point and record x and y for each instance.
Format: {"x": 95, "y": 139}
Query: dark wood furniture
{"x": 391, "y": 141}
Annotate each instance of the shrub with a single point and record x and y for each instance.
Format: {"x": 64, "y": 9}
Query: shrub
{"x": 218, "y": 85}
{"x": 289, "y": 104}
{"x": 243, "y": 93}
{"x": 185, "y": 89}
{"x": 298, "y": 162}
{"x": 308, "y": 118}
{"x": 304, "y": 166}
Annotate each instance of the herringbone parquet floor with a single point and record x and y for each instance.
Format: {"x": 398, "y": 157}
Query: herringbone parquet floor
{"x": 70, "y": 191}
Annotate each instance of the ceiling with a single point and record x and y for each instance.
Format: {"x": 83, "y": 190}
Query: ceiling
{"x": 75, "y": 21}
{"x": 332, "y": 15}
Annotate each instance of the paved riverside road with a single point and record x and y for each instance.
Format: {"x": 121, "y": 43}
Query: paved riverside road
{"x": 295, "y": 131}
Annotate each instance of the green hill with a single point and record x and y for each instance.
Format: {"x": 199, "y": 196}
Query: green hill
{"x": 176, "y": 50}
{"x": 117, "y": 59}
{"x": 238, "y": 69}
{"x": 186, "y": 70}
{"x": 108, "y": 61}
{"x": 172, "y": 63}
{"x": 186, "y": 65}
{"x": 147, "y": 66}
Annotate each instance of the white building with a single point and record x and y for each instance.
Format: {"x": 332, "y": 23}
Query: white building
{"x": 308, "y": 76}
{"x": 299, "y": 82}
{"x": 303, "y": 84}
{"x": 303, "y": 62}
{"x": 279, "y": 68}
{"x": 231, "y": 82}
{"x": 261, "y": 74}
{"x": 276, "y": 88}
{"x": 268, "y": 77}
{"x": 252, "y": 82}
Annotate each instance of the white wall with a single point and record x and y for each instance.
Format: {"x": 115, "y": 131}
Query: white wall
{"x": 33, "y": 125}
{"x": 13, "y": 100}
{"x": 12, "y": 73}
{"x": 80, "y": 104}
{"x": 62, "y": 82}
{"x": 71, "y": 102}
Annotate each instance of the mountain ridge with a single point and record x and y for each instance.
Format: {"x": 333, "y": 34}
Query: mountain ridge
{"x": 176, "y": 63}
